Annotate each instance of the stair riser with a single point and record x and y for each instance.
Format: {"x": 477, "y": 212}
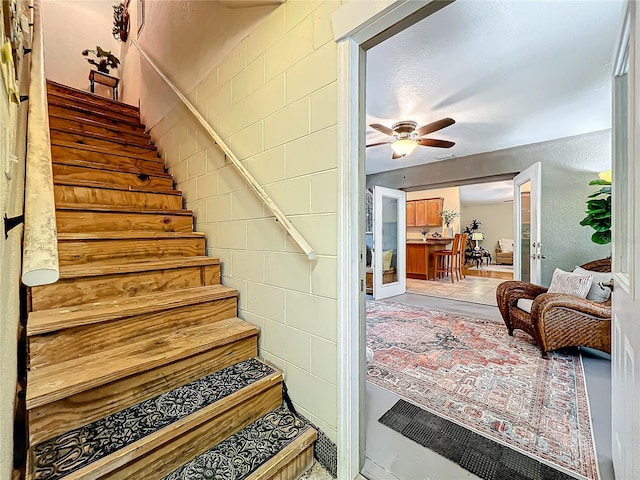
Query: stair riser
{"x": 90, "y": 111}
{"x": 69, "y": 292}
{"x": 289, "y": 468}
{"x": 80, "y": 252}
{"x": 70, "y": 221}
{"x": 66, "y": 155}
{"x": 91, "y": 339}
{"x": 103, "y": 196}
{"x": 115, "y": 146}
{"x": 51, "y": 420}
{"x": 87, "y": 97}
{"x": 81, "y": 114}
{"x": 80, "y": 128}
{"x": 70, "y": 173}
{"x": 185, "y": 446}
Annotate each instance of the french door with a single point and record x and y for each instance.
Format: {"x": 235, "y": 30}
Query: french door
{"x": 625, "y": 341}
{"x": 527, "y": 245}
{"x": 389, "y": 242}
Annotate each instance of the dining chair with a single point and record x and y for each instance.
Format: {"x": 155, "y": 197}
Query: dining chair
{"x": 460, "y": 262}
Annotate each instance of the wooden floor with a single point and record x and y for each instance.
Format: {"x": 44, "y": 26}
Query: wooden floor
{"x": 489, "y": 274}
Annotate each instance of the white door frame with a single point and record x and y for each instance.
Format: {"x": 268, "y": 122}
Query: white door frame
{"x": 381, "y": 289}
{"x": 532, "y": 174}
{"x": 354, "y": 24}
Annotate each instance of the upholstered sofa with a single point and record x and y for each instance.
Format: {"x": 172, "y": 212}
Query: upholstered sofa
{"x": 504, "y": 252}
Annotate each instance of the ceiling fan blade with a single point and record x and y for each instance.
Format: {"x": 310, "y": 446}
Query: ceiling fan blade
{"x": 382, "y": 128}
{"x": 432, "y": 142}
{"x": 395, "y": 155}
{"x": 435, "y": 126}
{"x": 379, "y": 143}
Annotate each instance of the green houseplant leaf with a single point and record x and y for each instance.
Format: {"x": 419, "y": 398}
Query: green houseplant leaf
{"x": 599, "y": 213}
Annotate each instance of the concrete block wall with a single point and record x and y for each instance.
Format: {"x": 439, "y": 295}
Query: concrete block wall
{"x": 273, "y": 100}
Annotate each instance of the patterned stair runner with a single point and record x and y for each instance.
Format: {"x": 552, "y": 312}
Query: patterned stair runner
{"x": 78, "y": 448}
{"x": 241, "y": 454}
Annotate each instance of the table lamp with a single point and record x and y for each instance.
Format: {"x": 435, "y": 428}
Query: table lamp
{"x": 476, "y": 237}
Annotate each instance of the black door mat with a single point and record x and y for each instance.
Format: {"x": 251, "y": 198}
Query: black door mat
{"x": 479, "y": 455}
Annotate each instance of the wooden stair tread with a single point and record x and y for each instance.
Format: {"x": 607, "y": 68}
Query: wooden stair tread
{"x": 209, "y": 396}
{"x": 126, "y": 236}
{"x": 54, "y": 382}
{"x": 112, "y": 186}
{"x": 94, "y": 111}
{"x": 79, "y": 113}
{"x": 95, "y": 102}
{"x": 269, "y": 451}
{"x": 112, "y": 168}
{"x": 52, "y": 85}
{"x": 96, "y": 269}
{"x": 104, "y": 150}
{"x": 94, "y": 207}
{"x": 104, "y": 138}
{"x": 45, "y": 321}
{"x": 95, "y": 123}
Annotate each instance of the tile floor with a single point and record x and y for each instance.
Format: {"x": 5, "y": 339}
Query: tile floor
{"x": 469, "y": 289}
{"x": 390, "y": 456}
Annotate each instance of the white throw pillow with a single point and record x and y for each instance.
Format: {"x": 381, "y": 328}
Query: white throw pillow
{"x": 506, "y": 245}
{"x": 525, "y": 304}
{"x": 598, "y": 292}
{"x": 570, "y": 283}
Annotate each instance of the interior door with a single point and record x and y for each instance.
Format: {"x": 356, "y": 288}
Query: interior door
{"x": 389, "y": 242}
{"x": 527, "y": 251}
{"x": 625, "y": 377}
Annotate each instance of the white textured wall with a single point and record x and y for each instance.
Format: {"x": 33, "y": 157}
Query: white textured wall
{"x": 497, "y": 222}
{"x": 187, "y": 39}
{"x": 451, "y": 197}
{"x": 71, "y": 26}
{"x": 273, "y": 100}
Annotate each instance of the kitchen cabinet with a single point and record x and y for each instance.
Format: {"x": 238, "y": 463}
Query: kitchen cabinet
{"x": 424, "y": 213}
{"x": 421, "y": 258}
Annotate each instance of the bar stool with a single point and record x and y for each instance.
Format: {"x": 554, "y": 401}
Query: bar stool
{"x": 460, "y": 260}
{"x": 446, "y": 259}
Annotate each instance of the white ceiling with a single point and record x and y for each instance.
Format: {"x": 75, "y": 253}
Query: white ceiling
{"x": 486, "y": 193}
{"x": 509, "y": 72}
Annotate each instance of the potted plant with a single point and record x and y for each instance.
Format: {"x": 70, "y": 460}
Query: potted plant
{"x": 599, "y": 212}
{"x": 448, "y": 216}
{"x": 102, "y": 59}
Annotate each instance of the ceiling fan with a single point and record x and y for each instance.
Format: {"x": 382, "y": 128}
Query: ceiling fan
{"x": 407, "y": 137}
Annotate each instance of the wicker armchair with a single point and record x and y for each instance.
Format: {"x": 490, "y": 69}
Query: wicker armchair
{"x": 558, "y": 320}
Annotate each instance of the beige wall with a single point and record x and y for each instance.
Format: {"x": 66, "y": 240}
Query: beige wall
{"x": 451, "y": 197}
{"x": 71, "y": 26}
{"x": 12, "y": 118}
{"x": 277, "y": 111}
{"x": 497, "y": 222}
{"x": 187, "y": 39}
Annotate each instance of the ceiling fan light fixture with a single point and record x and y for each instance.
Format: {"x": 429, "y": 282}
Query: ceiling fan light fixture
{"x": 404, "y": 146}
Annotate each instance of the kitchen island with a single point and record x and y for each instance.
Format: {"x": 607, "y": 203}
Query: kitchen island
{"x": 421, "y": 261}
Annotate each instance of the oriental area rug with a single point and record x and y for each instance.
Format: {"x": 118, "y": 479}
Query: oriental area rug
{"x": 470, "y": 371}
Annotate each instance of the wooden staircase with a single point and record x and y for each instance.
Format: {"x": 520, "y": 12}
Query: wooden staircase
{"x": 138, "y": 367}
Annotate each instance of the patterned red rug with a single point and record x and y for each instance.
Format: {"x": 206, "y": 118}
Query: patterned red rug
{"x": 472, "y": 372}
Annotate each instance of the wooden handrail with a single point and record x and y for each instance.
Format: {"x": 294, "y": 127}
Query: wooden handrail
{"x": 257, "y": 188}
{"x": 40, "y": 253}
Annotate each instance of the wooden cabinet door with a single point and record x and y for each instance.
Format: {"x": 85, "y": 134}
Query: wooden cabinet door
{"x": 434, "y": 207}
{"x": 421, "y": 213}
{"x": 411, "y": 214}
{"x": 416, "y": 260}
